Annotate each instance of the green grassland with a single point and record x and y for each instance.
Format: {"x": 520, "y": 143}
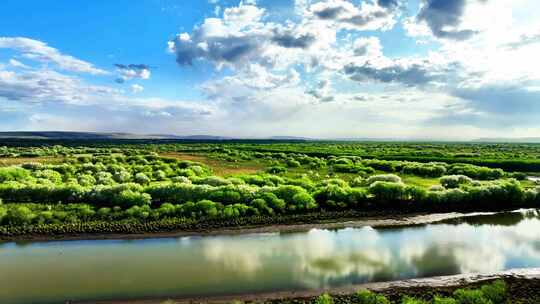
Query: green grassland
{"x": 64, "y": 186}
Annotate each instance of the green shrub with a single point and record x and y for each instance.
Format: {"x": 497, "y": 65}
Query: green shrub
{"x": 358, "y": 182}
{"x": 441, "y": 300}
{"x": 411, "y": 300}
{"x": 324, "y": 299}
{"x": 128, "y": 198}
{"x": 141, "y": 178}
{"x": 454, "y": 181}
{"x": 496, "y": 291}
{"x": 387, "y": 191}
{"x": 471, "y": 296}
{"x": 122, "y": 176}
{"x": 18, "y": 216}
{"x": 368, "y": 297}
{"x": 13, "y": 174}
{"x": 276, "y": 170}
{"x": 303, "y": 201}
{"x": 427, "y": 169}
{"x": 391, "y": 178}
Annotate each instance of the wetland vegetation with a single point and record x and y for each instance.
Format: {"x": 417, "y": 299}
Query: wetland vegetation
{"x": 136, "y": 187}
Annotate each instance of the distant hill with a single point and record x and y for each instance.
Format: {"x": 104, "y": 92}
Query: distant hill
{"x": 289, "y": 138}
{"x": 99, "y": 136}
{"x": 61, "y": 135}
{"x": 510, "y": 140}
{"x": 67, "y": 135}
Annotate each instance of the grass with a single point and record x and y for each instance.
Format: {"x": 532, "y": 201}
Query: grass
{"x": 425, "y": 182}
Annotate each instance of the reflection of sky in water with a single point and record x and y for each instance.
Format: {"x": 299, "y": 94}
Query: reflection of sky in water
{"x": 264, "y": 262}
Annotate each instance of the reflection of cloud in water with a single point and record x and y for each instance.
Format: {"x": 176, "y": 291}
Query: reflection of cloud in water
{"x": 317, "y": 254}
{"x": 323, "y": 257}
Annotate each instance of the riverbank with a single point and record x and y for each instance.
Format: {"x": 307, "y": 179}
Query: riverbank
{"x": 523, "y": 287}
{"x": 296, "y": 224}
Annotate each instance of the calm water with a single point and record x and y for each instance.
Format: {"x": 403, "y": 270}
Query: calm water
{"x": 50, "y": 272}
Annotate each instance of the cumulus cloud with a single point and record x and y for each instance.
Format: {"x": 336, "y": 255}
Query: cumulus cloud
{"x": 369, "y": 47}
{"x": 132, "y": 71}
{"x": 242, "y": 37}
{"x": 290, "y": 40}
{"x": 233, "y": 39}
{"x": 41, "y": 52}
{"x": 407, "y": 72}
{"x": 443, "y": 18}
{"x": 446, "y": 19}
{"x": 249, "y": 82}
{"x": 344, "y": 14}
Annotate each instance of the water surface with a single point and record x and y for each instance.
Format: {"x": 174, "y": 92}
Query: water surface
{"x": 52, "y": 272}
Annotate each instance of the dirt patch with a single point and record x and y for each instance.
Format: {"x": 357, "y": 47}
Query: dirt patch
{"x": 219, "y": 167}
{"x": 13, "y": 161}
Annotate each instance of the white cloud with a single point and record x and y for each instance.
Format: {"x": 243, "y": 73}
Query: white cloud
{"x": 36, "y": 86}
{"x": 132, "y": 71}
{"x": 135, "y": 88}
{"x": 18, "y": 64}
{"x": 345, "y": 15}
{"x": 41, "y": 52}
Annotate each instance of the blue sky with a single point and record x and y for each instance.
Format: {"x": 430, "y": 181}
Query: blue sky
{"x": 320, "y": 68}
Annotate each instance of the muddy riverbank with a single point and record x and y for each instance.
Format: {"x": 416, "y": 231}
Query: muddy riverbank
{"x": 523, "y": 285}
{"x": 375, "y": 220}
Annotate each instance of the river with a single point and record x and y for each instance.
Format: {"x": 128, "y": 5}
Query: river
{"x": 53, "y": 272}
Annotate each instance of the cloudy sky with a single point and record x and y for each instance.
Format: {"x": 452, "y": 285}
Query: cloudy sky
{"x": 440, "y": 69}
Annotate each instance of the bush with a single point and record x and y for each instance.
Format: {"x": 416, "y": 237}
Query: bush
{"x": 358, "y": 182}
{"x": 104, "y": 178}
{"x": 454, "y": 181}
{"x": 86, "y": 180}
{"x": 420, "y": 169}
{"x": 411, "y": 300}
{"x": 387, "y": 191}
{"x": 122, "y": 176}
{"x": 212, "y": 181}
{"x": 303, "y": 201}
{"x": 129, "y": 198}
{"x": 495, "y": 292}
{"x": 181, "y": 179}
{"x": 273, "y": 201}
{"x": 477, "y": 172}
{"x": 49, "y": 175}
{"x": 368, "y": 297}
{"x": 13, "y": 174}
{"x": 291, "y": 163}
{"x": 324, "y": 299}
{"x": 436, "y": 188}
{"x": 141, "y": 178}
{"x": 261, "y": 206}
{"x": 206, "y": 208}
{"x": 392, "y": 178}
{"x": 439, "y": 300}
{"x": 18, "y": 216}
{"x": 276, "y": 170}
{"x": 471, "y": 296}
